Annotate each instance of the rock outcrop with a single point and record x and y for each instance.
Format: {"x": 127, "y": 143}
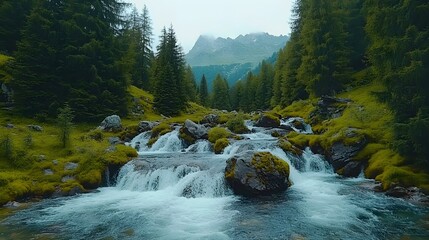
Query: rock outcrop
{"x": 111, "y": 123}
{"x": 268, "y": 121}
{"x": 190, "y": 132}
{"x": 261, "y": 173}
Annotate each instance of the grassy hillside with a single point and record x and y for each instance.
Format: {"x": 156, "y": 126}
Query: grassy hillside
{"x": 32, "y": 163}
{"x": 371, "y": 120}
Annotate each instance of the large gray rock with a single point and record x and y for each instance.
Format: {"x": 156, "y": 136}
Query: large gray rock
{"x": 341, "y": 157}
{"x": 71, "y": 166}
{"x": 252, "y": 174}
{"x": 111, "y": 123}
{"x": 211, "y": 119}
{"x": 145, "y": 126}
{"x": 190, "y": 132}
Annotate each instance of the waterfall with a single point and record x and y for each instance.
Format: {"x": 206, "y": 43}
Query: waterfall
{"x": 201, "y": 146}
{"x": 289, "y": 122}
{"x": 169, "y": 142}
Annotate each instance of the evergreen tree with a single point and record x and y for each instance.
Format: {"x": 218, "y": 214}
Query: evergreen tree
{"x": 264, "y": 90}
{"x": 399, "y": 53}
{"x": 36, "y": 73}
{"x": 190, "y": 85}
{"x": 13, "y": 15}
{"x": 326, "y": 57}
{"x": 220, "y": 97}
{"x": 64, "y": 121}
{"x": 169, "y": 68}
{"x": 203, "y": 91}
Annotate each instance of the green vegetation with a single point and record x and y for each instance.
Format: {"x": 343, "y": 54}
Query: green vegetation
{"x": 220, "y": 145}
{"x": 64, "y": 121}
{"x": 236, "y": 124}
{"x": 217, "y": 133}
{"x": 270, "y": 163}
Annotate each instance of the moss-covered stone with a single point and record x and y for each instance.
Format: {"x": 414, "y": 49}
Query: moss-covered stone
{"x": 289, "y": 147}
{"x": 220, "y": 145}
{"x": 260, "y": 173}
{"x": 236, "y": 125}
{"x": 218, "y": 133}
{"x": 268, "y": 163}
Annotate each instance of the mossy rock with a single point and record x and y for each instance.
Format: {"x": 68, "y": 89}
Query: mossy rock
{"x": 220, "y": 145}
{"x": 268, "y": 120}
{"x": 161, "y": 129}
{"x": 252, "y": 174}
{"x": 288, "y": 147}
{"x": 90, "y": 179}
{"x": 218, "y": 133}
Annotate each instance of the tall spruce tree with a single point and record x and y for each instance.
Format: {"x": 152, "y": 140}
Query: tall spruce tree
{"x": 220, "y": 97}
{"x": 13, "y": 15}
{"x": 399, "y": 53}
{"x": 203, "y": 91}
{"x": 169, "y": 93}
{"x": 190, "y": 85}
{"x": 37, "y": 79}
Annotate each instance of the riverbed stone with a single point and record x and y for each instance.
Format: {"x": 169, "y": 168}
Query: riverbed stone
{"x": 269, "y": 121}
{"x": 211, "y": 119}
{"x": 260, "y": 173}
{"x": 190, "y": 132}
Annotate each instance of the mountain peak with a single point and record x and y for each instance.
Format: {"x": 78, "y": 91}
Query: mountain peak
{"x": 249, "y": 48}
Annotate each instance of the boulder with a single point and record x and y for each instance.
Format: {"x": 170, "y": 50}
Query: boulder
{"x": 145, "y": 126}
{"x": 35, "y": 128}
{"x": 190, "y": 132}
{"x": 211, "y": 119}
{"x": 114, "y": 140}
{"x": 268, "y": 120}
{"x": 111, "y": 123}
{"x": 329, "y": 108}
{"x": 48, "y": 171}
{"x": 341, "y": 156}
{"x": 261, "y": 173}
{"x": 10, "y": 125}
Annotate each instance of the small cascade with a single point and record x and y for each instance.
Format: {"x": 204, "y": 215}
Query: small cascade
{"x": 182, "y": 180}
{"x": 140, "y": 141}
{"x": 169, "y": 142}
{"x": 315, "y": 162}
{"x": 201, "y": 146}
{"x": 305, "y": 129}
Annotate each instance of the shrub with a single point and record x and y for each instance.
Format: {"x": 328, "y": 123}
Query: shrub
{"x": 236, "y": 125}
{"x": 218, "y": 133}
{"x": 220, "y": 145}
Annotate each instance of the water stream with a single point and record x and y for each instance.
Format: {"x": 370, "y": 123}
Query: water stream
{"x": 176, "y": 192}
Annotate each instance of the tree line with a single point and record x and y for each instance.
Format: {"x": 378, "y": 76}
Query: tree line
{"x": 86, "y": 54}
{"x": 337, "y": 45}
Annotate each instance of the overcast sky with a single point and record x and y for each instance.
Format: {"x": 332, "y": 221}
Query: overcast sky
{"x": 218, "y": 18}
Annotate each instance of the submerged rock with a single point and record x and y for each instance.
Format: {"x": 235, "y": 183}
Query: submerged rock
{"x": 111, "y": 123}
{"x": 260, "y": 173}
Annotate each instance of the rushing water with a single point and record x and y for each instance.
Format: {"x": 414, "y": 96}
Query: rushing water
{"x": 173, "y": 192}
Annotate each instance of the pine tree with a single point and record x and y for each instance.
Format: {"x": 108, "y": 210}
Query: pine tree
{"x": 36, "y": 73}
{"x": 190, "y": 85}
{"x": 220, "y": 97}
{"x": 13, "y": 15}
{"x": 65, "y": 123}
{"x": 264, "y": 90}
{"x": 169, "y": 68}
{"x": 325, "y": 59}
{"x": 203, "y": 91}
